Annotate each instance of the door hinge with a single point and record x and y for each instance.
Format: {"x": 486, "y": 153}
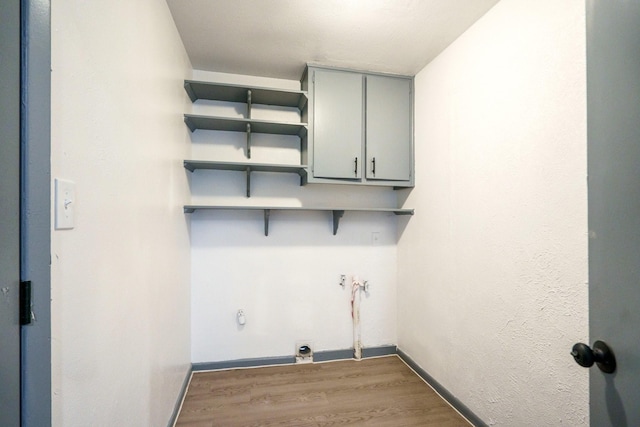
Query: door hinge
{"x": 25, "y": 302}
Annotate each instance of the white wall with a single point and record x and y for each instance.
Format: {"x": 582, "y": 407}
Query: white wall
{"x": 492, "y": 287}
{"x": 120, "y": 279}
{"x": 287, "y": 283}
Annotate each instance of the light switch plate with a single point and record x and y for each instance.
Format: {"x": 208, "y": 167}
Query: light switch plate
{"x": 65, "y": 202}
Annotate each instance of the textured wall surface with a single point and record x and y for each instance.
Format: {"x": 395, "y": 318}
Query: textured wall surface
{"x": 492, "y": 289}
{"x": 120, "y": 279}
{"x": 286, "y": 283}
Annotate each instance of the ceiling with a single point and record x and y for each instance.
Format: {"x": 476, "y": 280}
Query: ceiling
{"x": 276, "y": 38}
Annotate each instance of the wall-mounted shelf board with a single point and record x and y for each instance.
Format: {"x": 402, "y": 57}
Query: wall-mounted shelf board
{"x": 235, "y": 93}
{"x": 247, "y": 167}
{"x": 238, "y": 124}
{"x": 337, "y": 213}
{"x": 192, "y": 165}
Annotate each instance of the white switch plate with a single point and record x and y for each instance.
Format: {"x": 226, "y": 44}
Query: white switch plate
{"x": 65, "y": 204}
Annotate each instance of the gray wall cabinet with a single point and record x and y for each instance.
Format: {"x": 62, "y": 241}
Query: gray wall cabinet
{"x": 360, "y": 128}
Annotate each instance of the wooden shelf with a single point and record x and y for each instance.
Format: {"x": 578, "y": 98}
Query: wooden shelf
{"x": 239, "y": 124}
{"x": 337, "y": 213}
{"x": 235, "y": 93}
{"x": 247, "y": 167}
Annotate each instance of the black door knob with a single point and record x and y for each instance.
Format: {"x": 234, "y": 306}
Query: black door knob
{"x": 601, "y": 355}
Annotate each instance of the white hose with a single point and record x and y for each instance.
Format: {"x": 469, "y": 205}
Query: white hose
{"x": 355, "y": 315}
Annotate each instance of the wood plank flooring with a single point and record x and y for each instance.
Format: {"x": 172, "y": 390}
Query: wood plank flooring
{"x": 379, "y": 391}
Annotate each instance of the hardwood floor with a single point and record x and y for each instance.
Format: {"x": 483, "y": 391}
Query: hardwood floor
{"x": 379, "y": 391}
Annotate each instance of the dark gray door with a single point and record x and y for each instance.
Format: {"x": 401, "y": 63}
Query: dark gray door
{"x": 9, "y": 213}
{"x": 613, "y": 105}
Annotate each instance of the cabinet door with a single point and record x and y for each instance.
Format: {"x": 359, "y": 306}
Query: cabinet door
{"x": 337, "y": 124}
{"x": 388, "y": 127}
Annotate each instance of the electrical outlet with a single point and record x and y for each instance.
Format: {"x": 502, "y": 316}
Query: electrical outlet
{"x": 241, "y": 318}
{"x": 375, "y": 238}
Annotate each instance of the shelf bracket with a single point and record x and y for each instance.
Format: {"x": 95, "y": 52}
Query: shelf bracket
{"x": 189, "y": 124}
{"x": 248, "y": 140}
{"x": 336, "y": 220}
{"x": 248, "y": 171}
{"x": 249, "y": 104}
{"x": 188, "y": 166}
{"x": 302, "y": 102}
{"x": 303, "y": 176}
{"x": 190, "y": 92}
{"x": 267, "y": 213}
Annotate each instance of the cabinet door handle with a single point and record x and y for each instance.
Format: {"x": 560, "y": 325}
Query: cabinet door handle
{"x": 373, "y": 166}
{"x": 356, "y": 169}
